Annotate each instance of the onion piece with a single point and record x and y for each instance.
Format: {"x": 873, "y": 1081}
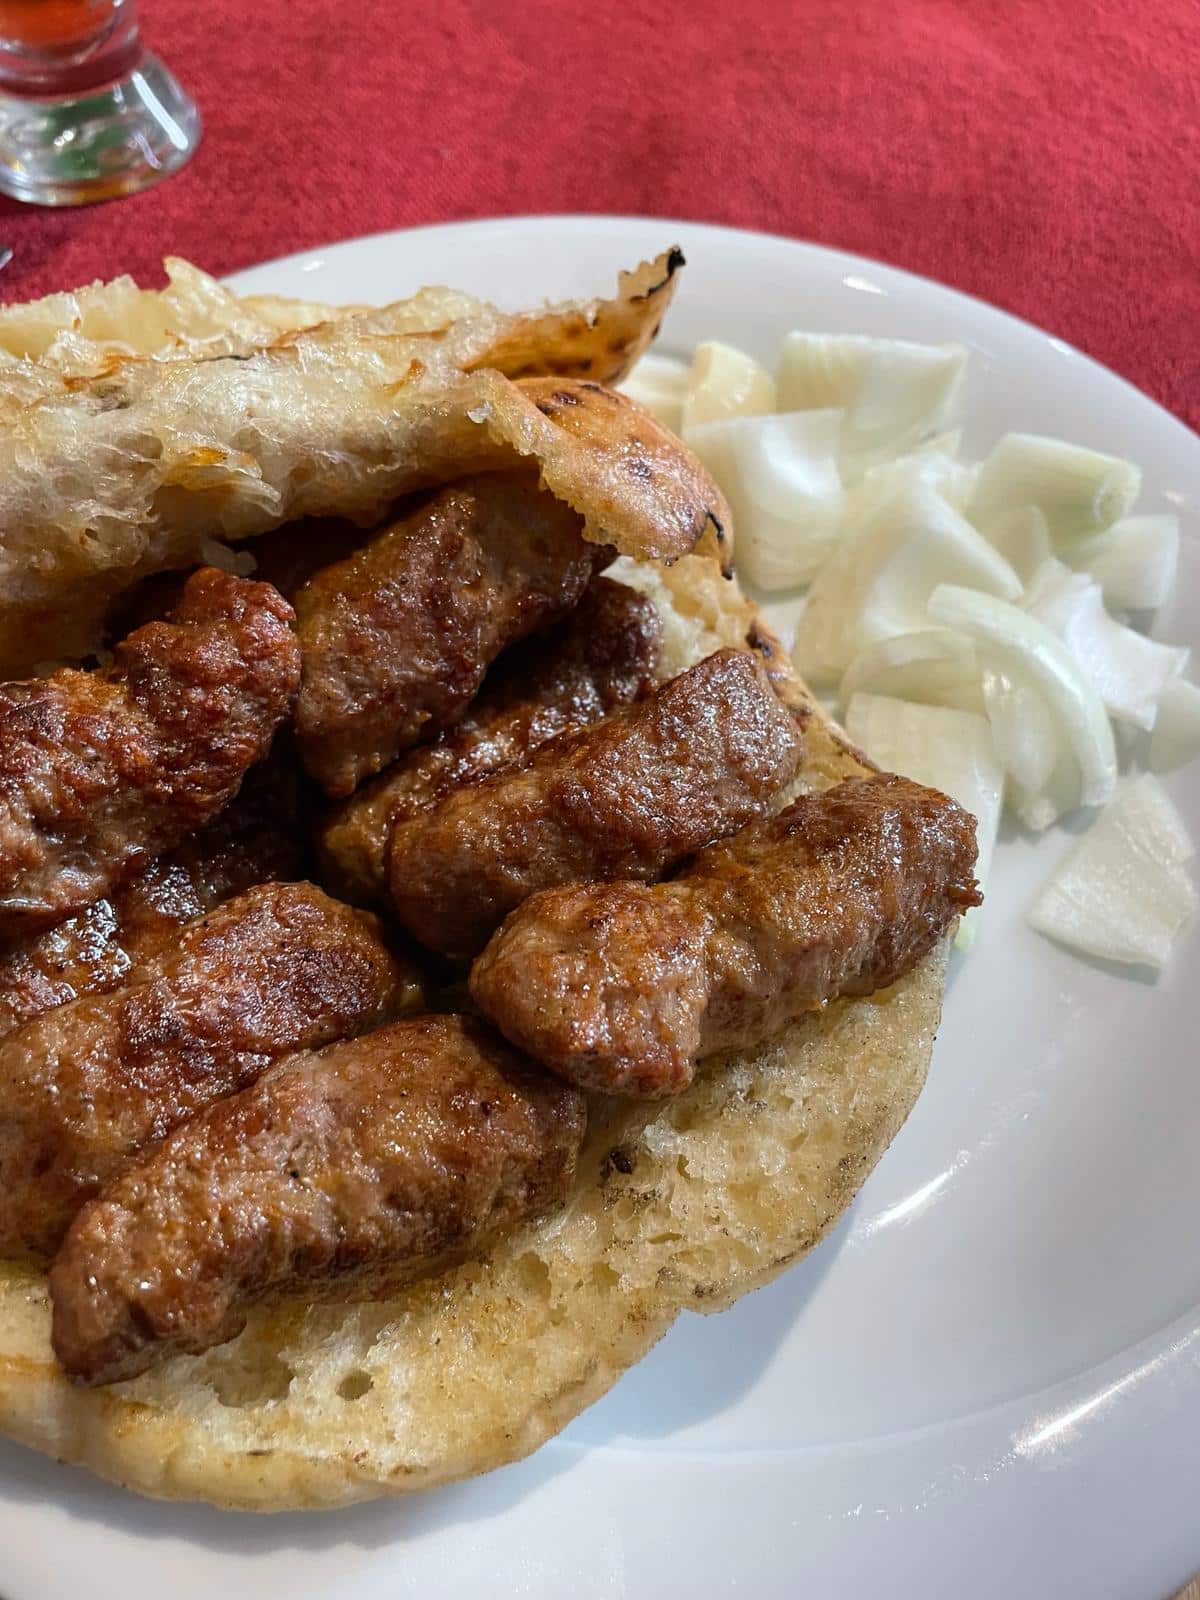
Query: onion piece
{"x": 1024, "y": 731}
{"x": 894, "y": 392}
{"x": 660, "y": 384}
{"x": 725, "y": 382}
{"x": 1176, "y": 737}
{"x": 936, "y": 469}
{"x": 1078, "y": 491}
{"x": 1023, "y": 539}
{"x": 878, "y": 580}
{"x": 780, "y": 476}
{"x": 1128, "y": 670}
{"x": 942, "y": 444}
{"x": 944, "y": 748}
{"x": 933, "y": 668}
{"x": 1134, "y": 561}
{"x": 1025, "y": 652}
{"x": 1123, "y": 893}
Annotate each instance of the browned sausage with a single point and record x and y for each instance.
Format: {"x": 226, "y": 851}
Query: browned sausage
{"x": 279, "y": 968}
{"x": 259, "y": 838}
{"x": 602, "y": 656}
{"x": 627, "y": 798}
{"x": 397, "y": 637}
{"x": 343, "y": 1174}
{"x": 102, "y": 771}
{"x": 622, "y": 987}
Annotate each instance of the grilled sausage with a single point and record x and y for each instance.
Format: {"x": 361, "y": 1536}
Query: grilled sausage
{"x": 280, "y": 968}
{"x": 397, "y": 637}
{"x": 342, "y": 1174}
{"x": 601, "y": 657}
{"x": 622, "y": 987}
{"x": 627, "y": 798}
{"x": 102, "y": 771}
{"x": 259, "y": 838}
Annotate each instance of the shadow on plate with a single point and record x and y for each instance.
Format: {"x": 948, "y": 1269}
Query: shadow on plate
{"x": 700, "y": 1369}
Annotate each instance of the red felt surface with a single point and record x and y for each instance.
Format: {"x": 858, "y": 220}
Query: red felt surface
{"x": 1043, "y": 154}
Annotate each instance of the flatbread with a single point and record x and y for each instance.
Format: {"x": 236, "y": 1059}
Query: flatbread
{"x": 111, "y": 476}
{"x": 79, "y": 332}
{"x": 678, "y": 1206}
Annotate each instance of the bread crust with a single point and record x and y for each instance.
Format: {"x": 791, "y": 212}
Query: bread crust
{"x": 152, "y": 464}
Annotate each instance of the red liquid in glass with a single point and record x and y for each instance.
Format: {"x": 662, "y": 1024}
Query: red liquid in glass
{"x": 53, "y": 47}
{"x": 45, "y": 24}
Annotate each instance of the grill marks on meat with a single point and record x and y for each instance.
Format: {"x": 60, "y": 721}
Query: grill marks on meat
{"x": 602, "y": 656}
{"x": 102, "y": 771}
{"x": 280, "y": 968}
{"x": 259, "y": 838}
{"x": 621, "y": 987}
{"x": 627, "y": 798}
{"x": 346, "y": 1173}
{"x": 396, "y": 639}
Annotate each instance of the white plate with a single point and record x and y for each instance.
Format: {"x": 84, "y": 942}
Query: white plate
{"x": 987, "y": 1382}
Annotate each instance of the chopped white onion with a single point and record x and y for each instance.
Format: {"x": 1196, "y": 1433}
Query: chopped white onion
{"x": 939, "y": 746}
{"x": 1024, "y": 731}
{"x": 932, "y": 668}
{"x": 882, "y": 571}
{"x": 659, "y": 383}
{"x": 962, "y": 606}
{"x": 1134, "y": 561}
{"x": 779, "y": 474}
{"x": 936, "y": 469}
{"x": 1123, "y": 893}
{"x": 1023, "y": 539}
{"x": 1025, "y": 652}
{"x": 1078, "y": 491}
{"x": 725, "y": 382}
{"x": 1176, "y": 737}
{"x": 941, "y": 444}
{"x": 1128, "y": 670}
{"x": 894, "y": 392}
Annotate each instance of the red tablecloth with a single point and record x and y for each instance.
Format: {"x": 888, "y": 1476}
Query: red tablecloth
{"x": 1043, "y": 154}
